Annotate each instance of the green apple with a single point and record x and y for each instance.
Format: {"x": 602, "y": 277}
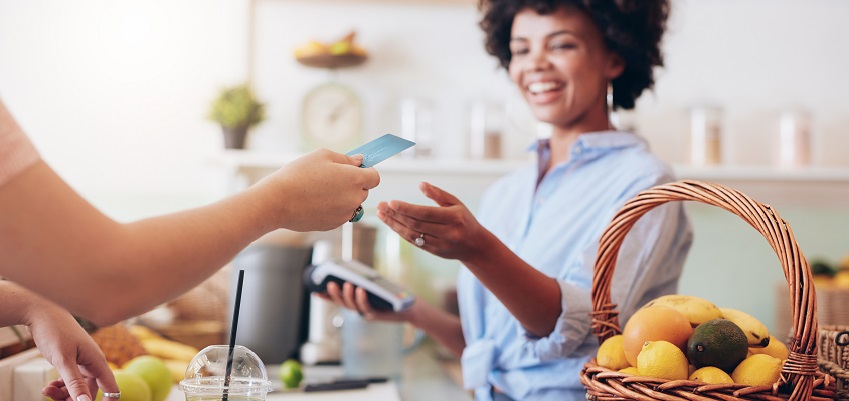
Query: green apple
{"x": 291, "y": 373}
{"x": 155, "y": 372}
{"x": 132, "y": 387}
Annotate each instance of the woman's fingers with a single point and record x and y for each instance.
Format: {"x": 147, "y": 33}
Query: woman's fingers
{"x": 439, "y": 196}
{"x": 364, "y": 306}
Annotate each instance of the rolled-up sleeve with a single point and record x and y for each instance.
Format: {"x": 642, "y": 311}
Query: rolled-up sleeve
{"x": 571, "y": 329}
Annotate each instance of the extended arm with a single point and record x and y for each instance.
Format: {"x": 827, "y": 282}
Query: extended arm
{"x": 59, "y": 245}
{"x": 442, "y": 326}
{"x": 450, "y": 231}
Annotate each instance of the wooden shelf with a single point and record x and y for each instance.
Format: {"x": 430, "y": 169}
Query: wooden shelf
{"x": 249, "y": 160}
{"x": 764, "y": 173}
{"x": 801, "y": 187}
{"x": 331, "y": 61}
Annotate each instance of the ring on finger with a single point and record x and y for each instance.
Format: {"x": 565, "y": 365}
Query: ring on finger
{"x": 116, "y": 395}
{"x": 420, "y": 240}
{"x": 358, "y": 214}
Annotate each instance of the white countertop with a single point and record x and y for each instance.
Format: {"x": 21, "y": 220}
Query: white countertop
{"x": 374, "y": 392}
{"x": 424, "y": 377}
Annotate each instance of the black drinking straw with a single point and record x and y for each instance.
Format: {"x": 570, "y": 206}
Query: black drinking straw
{"x": 233, "y": 335}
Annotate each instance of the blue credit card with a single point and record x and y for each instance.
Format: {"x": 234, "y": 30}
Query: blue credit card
{"x": 381, "y": 149}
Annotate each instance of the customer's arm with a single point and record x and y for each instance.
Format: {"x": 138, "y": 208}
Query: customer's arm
{"x": 440, "y": 325}
{"x": 450, "y": 231}
{"x": 59, "y": 245}
{"x": 61, "y": 340}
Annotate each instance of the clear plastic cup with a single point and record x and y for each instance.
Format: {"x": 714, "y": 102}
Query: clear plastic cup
{"x": 204, "y": 380}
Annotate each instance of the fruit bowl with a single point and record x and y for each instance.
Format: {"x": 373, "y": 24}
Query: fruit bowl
{"x": 332, "y": 61}
{"x": 800, "y": 378}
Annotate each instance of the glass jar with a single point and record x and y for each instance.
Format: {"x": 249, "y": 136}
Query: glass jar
{"x": 794, "y": 148}
{"x": 486, "y": 130}
{"x": 705, "y": 135}
{"x": 417, "y": 126}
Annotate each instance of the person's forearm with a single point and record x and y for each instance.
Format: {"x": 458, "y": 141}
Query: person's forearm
{"x": 442, "y": 326}
{"x": 533, "y": 298}
{"x": 16, "y": 303}
{"x": 69, "y": 248}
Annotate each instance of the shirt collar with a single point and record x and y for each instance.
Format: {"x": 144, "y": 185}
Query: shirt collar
{"x": 596, "y": 140}
{"x": 589, "y": 145}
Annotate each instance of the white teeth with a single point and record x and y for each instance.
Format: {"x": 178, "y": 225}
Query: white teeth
{"x": 539, "y": 87}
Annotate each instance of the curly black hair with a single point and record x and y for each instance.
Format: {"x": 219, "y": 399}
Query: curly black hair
{"x": 631, "y": 28}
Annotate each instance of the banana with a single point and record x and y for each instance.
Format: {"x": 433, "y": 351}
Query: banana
{"x": 756, "y": 332}
{"x": 311, "y": 48}
{"x": 142, "y": 332}
{"x": 177, "y": 368}
{"x": 167, "y": 349}
{"x": 697, "y": 310}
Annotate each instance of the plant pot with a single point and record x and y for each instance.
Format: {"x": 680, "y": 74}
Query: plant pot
{"x": 234, "y": 137}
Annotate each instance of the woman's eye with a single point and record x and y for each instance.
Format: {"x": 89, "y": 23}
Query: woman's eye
{"x": 561, "y": 46}
{"x": 519, "y": 51}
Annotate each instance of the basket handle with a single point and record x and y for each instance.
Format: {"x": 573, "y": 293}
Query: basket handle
{"x": 801, "y": 365}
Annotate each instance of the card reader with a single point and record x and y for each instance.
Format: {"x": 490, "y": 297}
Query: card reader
{"x": 383, "y": 294}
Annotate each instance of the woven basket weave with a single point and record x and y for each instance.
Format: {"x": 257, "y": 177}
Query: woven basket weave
{"x": 834, "y": 356}
{"x": 800, "y": 378}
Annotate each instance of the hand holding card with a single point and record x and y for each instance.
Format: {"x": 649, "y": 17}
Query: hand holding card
{"x": 375, "y": 152}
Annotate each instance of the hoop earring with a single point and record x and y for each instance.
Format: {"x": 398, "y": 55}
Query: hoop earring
{"x": 612, "y": 117}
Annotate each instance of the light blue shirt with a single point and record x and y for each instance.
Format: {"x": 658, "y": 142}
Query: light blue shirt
{"x": 555, "y": 227}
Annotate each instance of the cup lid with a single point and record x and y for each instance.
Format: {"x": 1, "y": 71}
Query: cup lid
{"x": 205, "y": 373}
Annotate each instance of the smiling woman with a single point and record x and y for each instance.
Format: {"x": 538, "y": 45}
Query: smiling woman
{"x": 524, "y": 295}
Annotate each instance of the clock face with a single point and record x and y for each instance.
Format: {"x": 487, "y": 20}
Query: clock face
{"x": 332, "y": 117}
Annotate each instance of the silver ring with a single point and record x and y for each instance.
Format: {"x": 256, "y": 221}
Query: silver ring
{"x": 358, "y": 214}
{"x": 419, "y": 241}
{"x": 112, "y": 395}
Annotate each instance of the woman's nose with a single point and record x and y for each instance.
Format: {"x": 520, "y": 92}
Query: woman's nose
{"x": 536, "y": 61}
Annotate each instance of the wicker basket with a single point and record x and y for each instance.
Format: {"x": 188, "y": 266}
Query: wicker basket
{"x": 834, "y": 357}
{"x": 800, "y": 378}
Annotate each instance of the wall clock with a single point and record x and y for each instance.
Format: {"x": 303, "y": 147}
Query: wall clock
{"x": 332, "y": 117}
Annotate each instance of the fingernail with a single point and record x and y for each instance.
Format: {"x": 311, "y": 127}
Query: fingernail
{"x": 83, "y": 397}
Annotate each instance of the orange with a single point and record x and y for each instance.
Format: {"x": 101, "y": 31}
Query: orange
{"x": 655, "y": 323}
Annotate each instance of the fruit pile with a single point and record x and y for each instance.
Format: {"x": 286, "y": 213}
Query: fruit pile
{"x": 831, "y": 275}
{"x": 681, "y": 337}
{"x": 343, "y": 46}
{"x": 145, "y": 364}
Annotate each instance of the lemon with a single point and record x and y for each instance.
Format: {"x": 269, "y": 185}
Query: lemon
{"x": 757, "y": 370}
{"x": 775, "y": 349}
{"x": 630, "y": 370}
{"x": 663, "y": 360}
{"x": 711, "y": 375}
{"x": 291, "y": 373}
{"x": 611, "y": 354}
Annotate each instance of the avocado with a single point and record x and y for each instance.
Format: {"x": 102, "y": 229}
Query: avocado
{"x": 719, "y": 343}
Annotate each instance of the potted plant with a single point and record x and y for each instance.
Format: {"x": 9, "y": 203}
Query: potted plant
{"x": 236, "y": 109}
